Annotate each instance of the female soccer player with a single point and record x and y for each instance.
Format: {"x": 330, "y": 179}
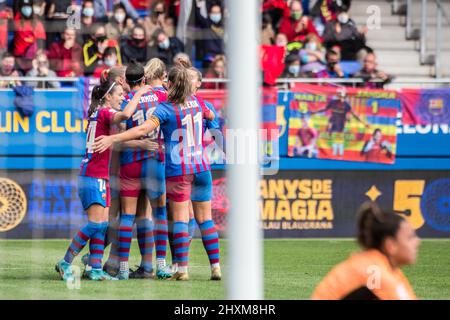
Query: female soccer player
{"x": 389, "y": 242}
{"x": 210, "y": 237}
{"x": 93, "y": 182}
{"x": 188, "y": 173}
{"x": 155, "y": 75}
{"x": 140, "y": 171}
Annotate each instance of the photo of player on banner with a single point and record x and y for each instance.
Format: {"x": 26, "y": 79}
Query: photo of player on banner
{"x": 343, "y": 124}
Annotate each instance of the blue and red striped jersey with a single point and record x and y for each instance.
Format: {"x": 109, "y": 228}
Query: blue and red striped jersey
{"x": 145, "y": 108}
{"x": 182, "y": 127}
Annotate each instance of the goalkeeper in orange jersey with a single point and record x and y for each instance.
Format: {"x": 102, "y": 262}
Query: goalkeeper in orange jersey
{"x": 388, "y": 242}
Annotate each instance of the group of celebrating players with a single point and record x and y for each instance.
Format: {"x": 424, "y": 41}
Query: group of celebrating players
{"x": 145, "y": 143}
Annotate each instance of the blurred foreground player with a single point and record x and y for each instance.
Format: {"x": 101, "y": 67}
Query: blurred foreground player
{"x": 388, "y": 242}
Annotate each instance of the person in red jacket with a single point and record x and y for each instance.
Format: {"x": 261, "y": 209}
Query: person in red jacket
{"x": 295, "y": 25}
{"x": 5, "y": 15}
{"x": 66, "y": 55}
{"x": 29, "y": 35}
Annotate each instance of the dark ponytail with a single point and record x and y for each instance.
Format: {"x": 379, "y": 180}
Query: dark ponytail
{"x": 98, "y": 95}
{"x": 375, "y": 225}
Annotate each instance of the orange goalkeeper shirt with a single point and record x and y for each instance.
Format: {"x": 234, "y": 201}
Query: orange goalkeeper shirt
{"x": 365, "y": 275}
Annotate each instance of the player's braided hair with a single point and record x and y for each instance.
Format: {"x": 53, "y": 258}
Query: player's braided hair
{"x": 180, "y": 85}
{"x": 154, "y": 69}
{"x": 375, "y": 225}
{"x": 98, "y": 95}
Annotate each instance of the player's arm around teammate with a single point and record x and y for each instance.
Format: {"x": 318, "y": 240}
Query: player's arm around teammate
{"x": 94, "y": 188}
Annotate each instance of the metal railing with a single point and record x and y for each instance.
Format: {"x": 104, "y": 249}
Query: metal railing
{"x": 280, "y": 81}
{"x": 418, "y": 25}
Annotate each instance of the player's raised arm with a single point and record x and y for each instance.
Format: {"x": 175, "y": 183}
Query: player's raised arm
{"x": 131, "y": 106}
{"x": 103, "y": 143}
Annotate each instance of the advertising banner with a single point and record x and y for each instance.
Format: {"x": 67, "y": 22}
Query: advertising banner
{"x": 294, "y": 204}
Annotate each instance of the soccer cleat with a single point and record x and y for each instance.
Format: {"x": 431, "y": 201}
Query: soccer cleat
{"x": 216, "y": 274}
{"x": 85, "y": 259}
{"x": 179, "y": 276}
{"x": 64, "y": 270}
{"x": 111, "y": 268}
{"x": 99, "y": 275}
{"x": 141, "y": 273}
{"x": 163, "y": 273}
{"x": 123, "y": 275}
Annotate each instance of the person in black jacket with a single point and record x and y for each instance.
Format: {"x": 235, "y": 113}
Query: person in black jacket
{"x": 135, "y": 47}
{"x": 210, "y": 41}
{"x": 164, "y": 47}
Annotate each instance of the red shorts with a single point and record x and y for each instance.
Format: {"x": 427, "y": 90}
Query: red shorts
{"x": 195, "y": 187}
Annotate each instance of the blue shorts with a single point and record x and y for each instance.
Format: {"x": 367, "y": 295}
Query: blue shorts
{"x": 196, "y": 187}
{"x": 93, "y": 191}
{"x": 148, "y": 175}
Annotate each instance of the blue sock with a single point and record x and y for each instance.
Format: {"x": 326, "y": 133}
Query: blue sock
{"x": 210, "y": 239}
{"x": 97, "y": 246}
{"x": 181, "y": 244}
{"x": 79, "y": 241}
{"x": 146, "y": 242}
{"x": 191, "y": 227}
{"x": 161, "y": 233}
{"x": 125, "y": 235}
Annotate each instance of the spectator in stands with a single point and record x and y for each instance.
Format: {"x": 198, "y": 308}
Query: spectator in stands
{"x": 312, "y": 56}
{"x": 135, "y": 47}
{"x": 66, "y": 55}
{"x": 344, "y": 33}
{"x": 281, "y": 40}
{"x": 5, "y": 15}
{"x": 296, "y": 25}
{"x": 165, "y": 47}
{"x": 333, "y": 69}
{"x": 211, "y": 43}
{"x": 109, "y": 60}
{"x": 120, "y": 24}
{"x": 39, "y": 9}
{"x": 217, "y": 70}
{"x": 41, "y": 68}
{"x": 104, "y": 9}
{"x": 8, "y": 69}
{"x": 158, "y": 19}
{"x": 292, "y": 66}
{"x": 29, "y": 35}
{"x": 276, "y": 9}
{"x": 87, "y": 22}
{"x": 267, "y": 32}
{"x": 94, "y": 49}
{"x": 57, "y": 14}
{"x": 369, "y": 73}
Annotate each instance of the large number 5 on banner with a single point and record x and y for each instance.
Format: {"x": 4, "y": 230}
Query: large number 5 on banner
{"x": 407, "y": 196}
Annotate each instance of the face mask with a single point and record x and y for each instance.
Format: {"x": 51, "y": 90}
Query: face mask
{"x": 138, "y": 42}
{"x": 294, "y": 70}
{"x": 165, "y": 44}
{"x": 37, "y": 10}
{"x": 311, "y": 46}
{"x": 27, "y": 11}
{"x": 120, "y": 17}
{"x": 88, "y": 12}
{"x": 215, "y": 17}
{"x": 296, "y": 15}
{"x": 110, "y": 62}
{"x": 343, "y": 18}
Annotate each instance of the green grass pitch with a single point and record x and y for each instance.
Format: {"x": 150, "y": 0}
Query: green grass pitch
{"x": 292, "y": 268}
